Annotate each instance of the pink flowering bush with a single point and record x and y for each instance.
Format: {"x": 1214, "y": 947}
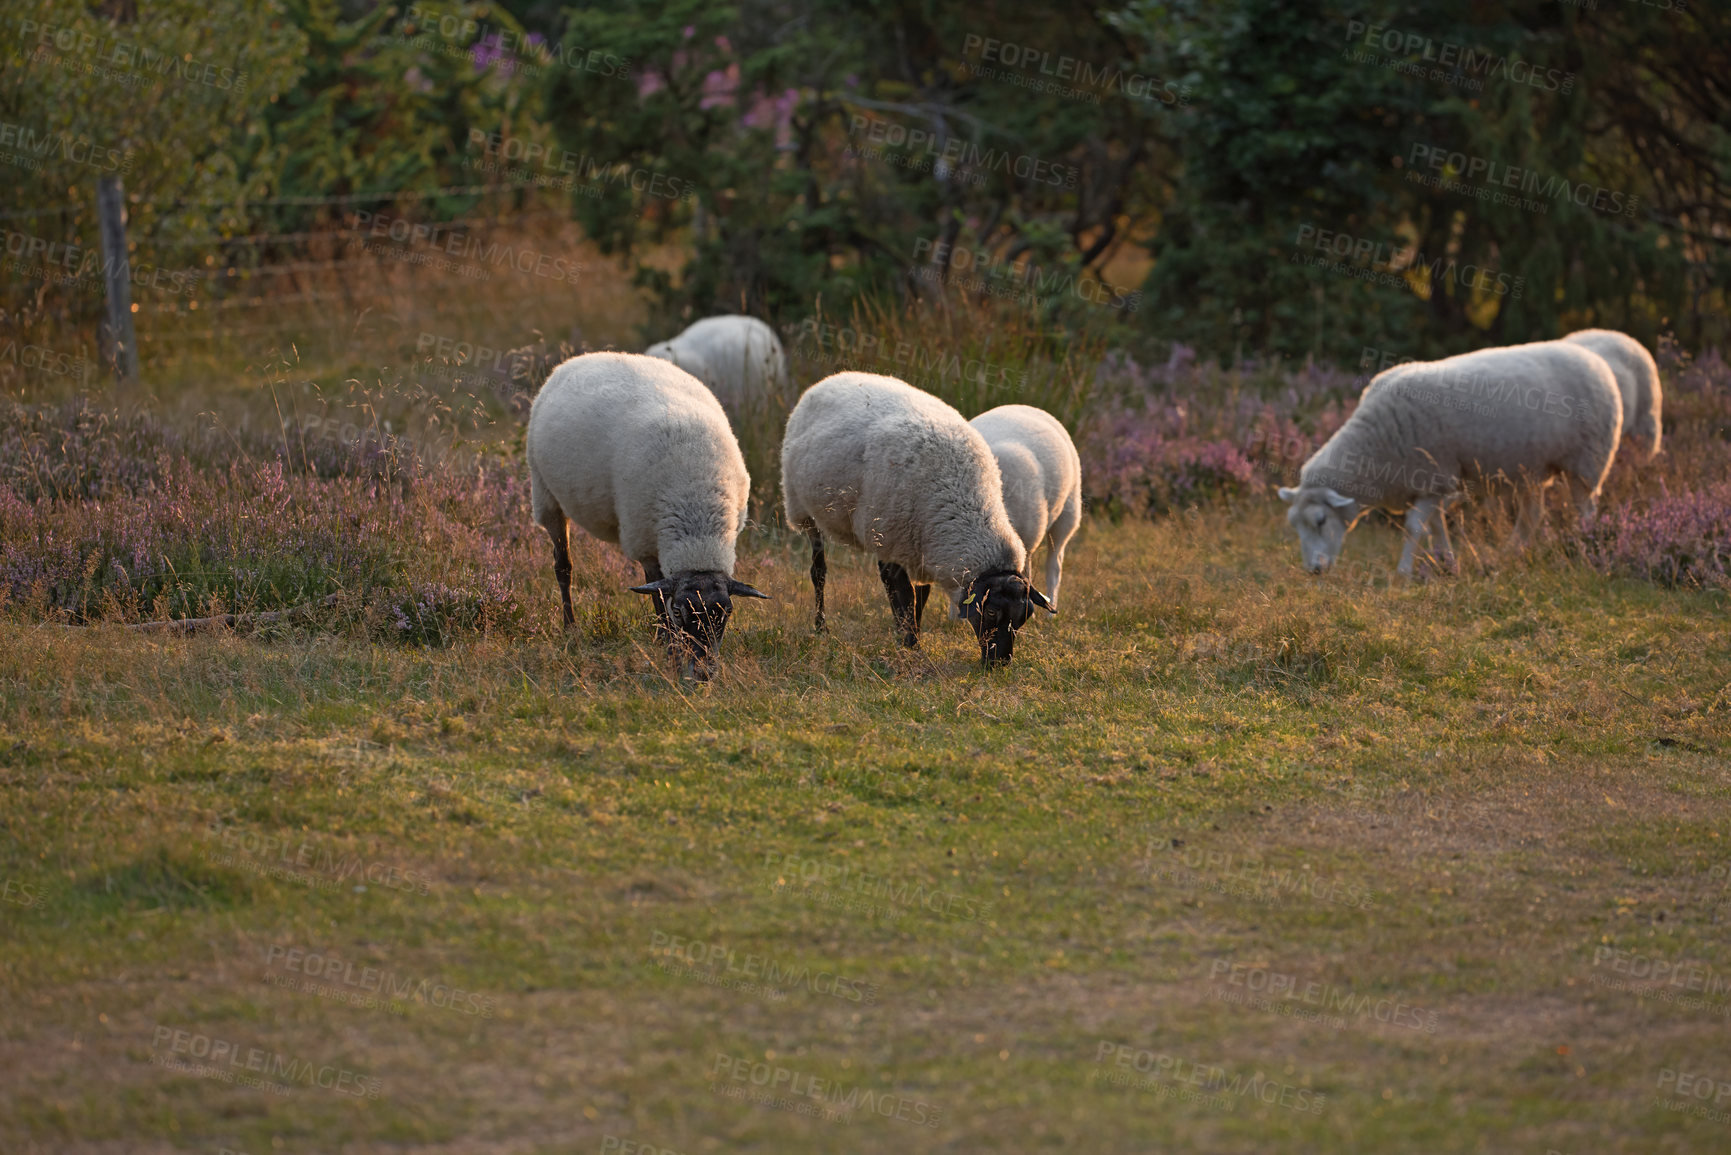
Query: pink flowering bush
{"x": 1680, "y": 540}
{"x": 1183, "y": 433}
{"x": 104, "y": 516}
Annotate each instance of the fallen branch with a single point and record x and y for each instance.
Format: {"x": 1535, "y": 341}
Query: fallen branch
{"x": 230, "y": 621}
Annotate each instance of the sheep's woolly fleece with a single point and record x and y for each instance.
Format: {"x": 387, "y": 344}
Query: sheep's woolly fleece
{"x": 739, "y": 358}
{"x": 1637, "y": 381}
{"x": 637, "y": 451}
{"x": 1535, "y": 410}
{"x": 879, "y": 465}
{"x": 1042, "y": 480}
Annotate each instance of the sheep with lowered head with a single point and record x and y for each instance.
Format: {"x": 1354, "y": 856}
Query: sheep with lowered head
{"x": 1042, "y": 475}
{"x": 638, "y": 452}
{"x": 892, "y": 470}
{"x": 739, "y": 358}
{"x": 1637, "y": 380}
{"x": 1526, "y": 412}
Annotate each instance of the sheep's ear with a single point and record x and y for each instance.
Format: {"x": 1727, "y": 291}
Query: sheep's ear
{"x": 1039, "y": 599}
{"x": 739, "y": 589}
{"x": 659, "y": 587}
{"x": 1287, "y": 493}
{"x": 1338, "y": 500}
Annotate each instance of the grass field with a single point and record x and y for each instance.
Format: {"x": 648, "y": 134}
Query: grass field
{"x": 1231, "y": 859}
{"x": 1228, "y": 860}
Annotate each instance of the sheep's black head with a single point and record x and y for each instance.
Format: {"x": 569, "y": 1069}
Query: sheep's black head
{"x": 997, "y": 605}
{"x": 694, "y": 609}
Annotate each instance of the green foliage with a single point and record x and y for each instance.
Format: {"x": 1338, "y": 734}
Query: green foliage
{"x": 833, "y": 151}
{"x": 1556, "y": 220}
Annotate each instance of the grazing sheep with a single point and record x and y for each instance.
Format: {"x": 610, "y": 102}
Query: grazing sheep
{"x": 1637, "y": 380}
{"x": 739, "y": 358}
{"x": 1523, "y": 412}
{"x": 638, "y": 452}
{"x": 892, "y": 470}
{"x": 1042, "y": 481}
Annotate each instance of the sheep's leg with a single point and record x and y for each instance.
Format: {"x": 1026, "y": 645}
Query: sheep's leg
{"x": 553, "y": 521}
{"x": 1440, "y": 520}
{"x": 901, "y": 591}
{"x": 819, "y": 571}
{"x": 1417, "y": 525}
{"x": 663, "y": 626}
{"x": 921, "y": 592}
{"x": 1532, "y": 511}
{"x": 1058, "y": 537}
{"x": 1586, "y": 505}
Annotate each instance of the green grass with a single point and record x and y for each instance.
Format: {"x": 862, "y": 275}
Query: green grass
{"x": 1447, "y": 796}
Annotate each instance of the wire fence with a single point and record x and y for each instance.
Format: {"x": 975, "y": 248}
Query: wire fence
{"x": 210, "y": 272}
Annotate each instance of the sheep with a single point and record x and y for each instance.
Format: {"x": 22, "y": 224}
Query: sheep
{"x": 638, "y": 452}
{"x": 1637, "y": 380}
{"x": 1526, "y": 411}
{"x": 1042, "y": 476}
{"x": 892, "y": 470}
{"x": 739, "y": 358}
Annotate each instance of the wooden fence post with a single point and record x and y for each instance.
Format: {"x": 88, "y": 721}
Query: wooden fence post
{"x": 118, "y": 344}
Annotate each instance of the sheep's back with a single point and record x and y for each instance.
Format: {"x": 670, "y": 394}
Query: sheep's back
{"x": 1520, "y": 408}
{"x": 891, "y": 469}
{"x": 1038, "y": 462}
{"x": 635, "y": 449}
{"x": 1636, "y": 372}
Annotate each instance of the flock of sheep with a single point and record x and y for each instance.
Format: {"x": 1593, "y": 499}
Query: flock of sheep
{"x": 638, "y": 450}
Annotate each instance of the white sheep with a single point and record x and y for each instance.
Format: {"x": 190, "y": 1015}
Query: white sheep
{"x": 894, "y": 471}
{"x": 1042, "y": 475}
{"x": 1637, "y": 380}
{"x": 1523, "y": 412}
{"x": 638, "y": 452}
{"x": 739, "y": 358}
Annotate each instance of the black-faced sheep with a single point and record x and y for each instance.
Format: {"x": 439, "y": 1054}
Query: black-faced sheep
{"x": 874, "y": 462}
{"x": 638, "y": 452}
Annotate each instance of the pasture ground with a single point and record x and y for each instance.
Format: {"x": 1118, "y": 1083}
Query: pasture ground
{"x": 1381, "y": 849}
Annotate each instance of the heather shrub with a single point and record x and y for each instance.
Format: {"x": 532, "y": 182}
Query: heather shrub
{"x": 1184, "y": 432}
{"x": 1681, "y": 540}
{"x": 191, "y": 527}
